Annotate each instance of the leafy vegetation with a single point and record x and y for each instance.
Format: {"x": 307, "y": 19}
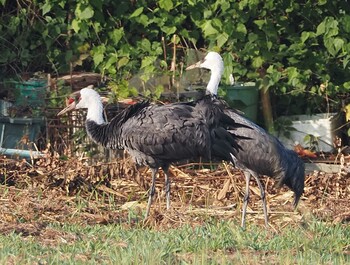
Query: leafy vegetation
{"x": 292, "y": 48}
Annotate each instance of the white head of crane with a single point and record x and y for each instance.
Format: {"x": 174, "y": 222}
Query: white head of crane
{"x": 213, "y": 62}
{"x": 89, "y": 99}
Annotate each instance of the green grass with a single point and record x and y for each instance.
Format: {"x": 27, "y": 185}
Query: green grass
{"x": 215, "y": 242}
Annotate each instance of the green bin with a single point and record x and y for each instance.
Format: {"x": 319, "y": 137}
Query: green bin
{"x": 244, "y": 97}
{"x": 12, "y": 130}
{"x": 31, "y": 93}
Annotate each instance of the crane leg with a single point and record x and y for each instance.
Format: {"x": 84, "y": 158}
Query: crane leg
{"x": 246, "y": 197}
{"x": 151, "y": 191}
{"x": 263, "y": 198}
{"x": 167, "y": 186}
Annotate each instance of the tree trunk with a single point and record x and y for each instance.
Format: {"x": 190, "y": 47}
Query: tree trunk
{"x": 267, "y": 110}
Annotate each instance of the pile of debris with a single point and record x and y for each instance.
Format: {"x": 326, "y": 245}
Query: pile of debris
{"x": 71, "y": 190}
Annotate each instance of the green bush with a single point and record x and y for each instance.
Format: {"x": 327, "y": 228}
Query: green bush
{"x": 292, "y": 48}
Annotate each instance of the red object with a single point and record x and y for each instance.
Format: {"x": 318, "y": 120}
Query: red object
{"x": 304, "y": 152}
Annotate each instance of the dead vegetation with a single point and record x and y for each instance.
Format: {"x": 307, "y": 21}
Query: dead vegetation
{"x": 53, "y": 190}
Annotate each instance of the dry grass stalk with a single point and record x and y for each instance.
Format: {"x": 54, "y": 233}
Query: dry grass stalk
{"x": 54, "y": 190}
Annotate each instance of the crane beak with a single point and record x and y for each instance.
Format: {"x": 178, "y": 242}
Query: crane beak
{"x": 70, "y": 107}
{"x": 70, "y": 102}
{"x": 193, "y": 66}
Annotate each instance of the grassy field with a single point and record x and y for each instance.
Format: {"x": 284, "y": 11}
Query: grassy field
{"x": 213, "y": 242}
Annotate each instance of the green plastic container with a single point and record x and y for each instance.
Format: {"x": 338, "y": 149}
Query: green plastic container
{"x": 244, "y": 97}
{"x": 31, "y": 93}
{"x": 12, "y": 130}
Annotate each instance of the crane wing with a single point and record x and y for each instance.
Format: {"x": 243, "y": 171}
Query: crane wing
{"x": 166, "y": 133}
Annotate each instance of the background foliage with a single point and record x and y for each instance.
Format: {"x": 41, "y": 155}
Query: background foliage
{"x": 298, "y": 48}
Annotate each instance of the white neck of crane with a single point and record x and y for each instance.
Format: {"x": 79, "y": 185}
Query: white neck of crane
{"x": 214, "y": 82}
{"x": 95, "y": 111}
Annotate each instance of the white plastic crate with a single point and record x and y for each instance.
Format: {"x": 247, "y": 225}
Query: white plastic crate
{"x": 321, "y": 126}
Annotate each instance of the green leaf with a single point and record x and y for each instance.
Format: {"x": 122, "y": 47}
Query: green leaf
{"x": 270, "y": 69}
{"x": 123, "y": 61}
{"x": 292, "y": 73}
{"x": 111, "y": 61}
{"x": 217, "y": 24}
{"x": 346, "y": 61}
{"x": 338, "y": 44}
{"x": 222, "y": 39}
{"x": 269, "y": 45}
{"x": 322, "y": 2}
{"x": 208, "y": 29}
{"x": 166, "y": 4}
{"x": 329, "y": 44}
{"x": 185, "y": 33}
{"x": 242, "y": 4}
{"x": 158, "y": 91}
{"x": 347, "y": 48}
{"x": 241, "y": 28}
{"x": 252, "y": 37}
{"x": 321, "y": 28}
{"x": 228, "y": 69}
{"x": 85, "y": 13}
{"x": 347, "y": 85}
{"x": 207, "y": 14}
{"x": 143, "y": 19}
{"x": 192, "y": 2}
{"x": 98, "y": 58}
{"x": 116, "y": 35}
{"x": 169, "y": 30}
{"x": 330, "y": 26}
{"x": 276, "y": 76}
{"x": 98, "y": 54}
{"x": 257, "y": 62}
{"x": 332, "y": 31}
{"x": 137, "y": 12}
{"x": 75, "y": 25}
{"x": 3, "y": 2}
{"x": 45, "y": 8}
{"x": 304, "y": 36}
{"x": 147, "y": 61}
{"x": 346, "y": 23}
{"x": 145, "y": 45}
{"x": 260, "y": 23}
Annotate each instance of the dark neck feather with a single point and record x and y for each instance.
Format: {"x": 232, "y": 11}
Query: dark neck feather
{"x": 108, "y": 134}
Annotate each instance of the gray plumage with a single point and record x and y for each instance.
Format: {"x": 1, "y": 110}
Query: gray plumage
{"x": 264, "y": 154}
{"x": 157, "y": 135}
{"x": 260, "y": 153}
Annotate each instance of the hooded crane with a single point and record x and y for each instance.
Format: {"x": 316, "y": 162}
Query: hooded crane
{"x": 157, "y": 135}
{"x": 260, "y": 153}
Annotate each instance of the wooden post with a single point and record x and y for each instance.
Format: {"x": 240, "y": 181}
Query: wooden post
{"x": 173, "y": 66}
{"x": 267, "y": 110}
